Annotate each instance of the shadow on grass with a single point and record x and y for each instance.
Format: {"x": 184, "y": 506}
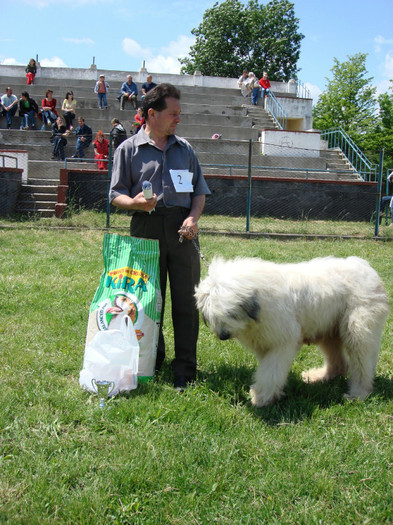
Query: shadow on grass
{"x": 299, "y": 400}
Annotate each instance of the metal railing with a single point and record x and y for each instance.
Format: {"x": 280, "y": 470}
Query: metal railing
{"x": 3, "y": 158}
{"x": 337, "y": 138}
{"x": 306, "y": 172}
{"x": 276, "y": 110}
{"x": 302, "y": 91}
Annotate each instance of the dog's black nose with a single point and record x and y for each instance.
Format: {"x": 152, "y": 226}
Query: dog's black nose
{"x": 224, "y": 335}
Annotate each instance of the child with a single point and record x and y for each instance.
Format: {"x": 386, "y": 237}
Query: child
{"x": 101, "y": 89}
{"x": 101, "y": 150}
{"x": 138, "y": 121}
{"x": 31, "y": 71}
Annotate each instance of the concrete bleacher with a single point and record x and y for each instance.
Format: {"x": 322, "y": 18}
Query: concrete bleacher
{"x": 205, "y": 111}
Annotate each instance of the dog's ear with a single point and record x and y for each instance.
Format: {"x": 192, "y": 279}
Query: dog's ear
{"x": 251, "y": 307}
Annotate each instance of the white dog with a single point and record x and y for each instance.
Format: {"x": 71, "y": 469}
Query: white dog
{"x": 273, "y": 309}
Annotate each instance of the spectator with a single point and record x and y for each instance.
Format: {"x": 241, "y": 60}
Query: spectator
{"x": 147, "y": 86}
{"x": 253, "y": 86}
{"x": 68, "y": 108}
{"x": 386, "y": 201}
{"x": 58, "y": 138}
{"x": 31, "y": 71}
{"x": 118, "y": 133}
{"x": 138, "y": 121}
{"x": 84, "y": 136}
{"x": 265, "y": 85}
{"x": 28, "y": 109}
{"x": 101, "y": 150}
{"x": 9, "y": 105}
{"x": 101, "y": 88}
{"x": 128, "y": 93}
{"x": 242, "y": 83}
{"x": 157, "y": 155}
{"x": 48, "y": 111}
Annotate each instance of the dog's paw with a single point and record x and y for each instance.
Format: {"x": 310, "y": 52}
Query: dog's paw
{"x": 258, "y": 399}
{"x": 315, "y": 374}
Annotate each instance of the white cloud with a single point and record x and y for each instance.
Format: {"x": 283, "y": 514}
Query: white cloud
{"x": 79, "y": 40}
{"x": 165, "y": 60}
{"x": 132, "y": 48}
{"x": 180, "y": 47}
{"x": 314, "y": 90}
{"x": 52, "y": 62}
{"x": 382, "y": 41}
{"x": 11, "y": 62}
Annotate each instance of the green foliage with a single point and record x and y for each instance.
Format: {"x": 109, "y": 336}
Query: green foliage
{"x": 349, "y": 99}
{"x": 256, "y": 37}
{"x": 382, "y": 135}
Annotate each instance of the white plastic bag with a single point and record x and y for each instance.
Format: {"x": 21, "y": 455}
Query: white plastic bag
{"x": 112, "y": 355}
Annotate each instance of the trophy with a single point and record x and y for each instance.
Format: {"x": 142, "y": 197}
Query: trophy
{"x": 103, "y": 389}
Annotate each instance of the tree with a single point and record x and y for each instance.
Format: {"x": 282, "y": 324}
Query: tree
{"x": 234, "y": 36}
{"x": 349, "y": 99}
{"x": 382, "y": 135}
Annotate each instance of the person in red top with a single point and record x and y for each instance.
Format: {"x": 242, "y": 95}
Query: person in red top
{"x": 139, "y": 120}
{"x": 48, "y": 111}
{"x": 265, "y": 85}
{"x": 101, "y": 150}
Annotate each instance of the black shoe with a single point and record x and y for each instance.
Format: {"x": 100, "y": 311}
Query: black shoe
{"x": 76, "y": 156}
{"x": 181, "y": 383}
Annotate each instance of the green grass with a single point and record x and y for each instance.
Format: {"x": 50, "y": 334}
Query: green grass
{"x": 157, "y": 457}
{"x": 215, "y": 223}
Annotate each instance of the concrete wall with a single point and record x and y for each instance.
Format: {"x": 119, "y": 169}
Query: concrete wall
{"x": 10, "y": 181}
{"x": 282, "y": 143}
{"x": 292, "y": 198}
{"x": 93, "y": 73}
{"x": 282, "y": 198}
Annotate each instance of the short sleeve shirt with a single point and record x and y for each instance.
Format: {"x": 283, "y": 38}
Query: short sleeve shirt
{"x": 137, "y": 159}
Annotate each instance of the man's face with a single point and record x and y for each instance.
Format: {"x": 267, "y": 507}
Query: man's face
{"x": 81, "y": 121}
{"x": 149, "y": 79}
{"x": 164, "y": 122}
{"x": 129, "y": 80}
{"x": 9, "y": 91}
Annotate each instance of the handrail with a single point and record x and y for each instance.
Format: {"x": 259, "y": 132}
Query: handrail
{"x": 276, "y": 110}
{"x": 280, "y": 169}
{"x": 4, "y": 156}
{"x": 302, "y": 91}
{"x": 337, "y": 138}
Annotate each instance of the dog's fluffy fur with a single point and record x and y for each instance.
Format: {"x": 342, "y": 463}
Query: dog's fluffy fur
{"x": 274, "y": 309}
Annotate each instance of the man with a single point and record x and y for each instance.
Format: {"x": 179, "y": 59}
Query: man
{"x": 147, "y": 86}
{"x": 118, "y": 133}
{"x": 243, "y": 83}
{"x": 84, "y": 136}
{"x": 155, "y": 154}
{"x": 128, "y": 93}
{"x": 9, "y": 105}
{"x": 28, "y": 109}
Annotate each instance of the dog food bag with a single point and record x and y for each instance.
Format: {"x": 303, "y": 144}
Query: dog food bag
{"x": 129, "y": 286}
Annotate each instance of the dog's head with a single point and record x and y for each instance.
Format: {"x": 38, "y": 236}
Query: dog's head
{"x": 226, "y": 306}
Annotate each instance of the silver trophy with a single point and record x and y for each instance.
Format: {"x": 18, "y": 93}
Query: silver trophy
{"x": 103, "y": 389}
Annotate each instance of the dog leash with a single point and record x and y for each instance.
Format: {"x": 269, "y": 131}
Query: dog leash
{"x": 193, "y": 234}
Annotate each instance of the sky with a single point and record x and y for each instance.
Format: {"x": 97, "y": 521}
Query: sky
{"x": 121, "y": 35}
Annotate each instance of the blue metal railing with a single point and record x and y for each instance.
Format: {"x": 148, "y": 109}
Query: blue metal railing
{"x": 276, "y": 110}
{"x": 337, "y": 138}
{"x": 302, "y": 91}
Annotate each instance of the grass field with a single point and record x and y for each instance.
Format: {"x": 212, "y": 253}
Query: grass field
{"x": 155, "y": 456}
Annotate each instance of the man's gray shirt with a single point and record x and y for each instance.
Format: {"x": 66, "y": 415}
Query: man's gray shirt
{"x": 137, "y": 159}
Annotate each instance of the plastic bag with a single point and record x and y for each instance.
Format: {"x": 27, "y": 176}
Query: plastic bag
{"x": 129, "y": 288}
{"x": 112, "y": 355}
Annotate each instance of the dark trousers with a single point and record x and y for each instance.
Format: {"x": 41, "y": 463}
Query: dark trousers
{"x": 180, "y": 262}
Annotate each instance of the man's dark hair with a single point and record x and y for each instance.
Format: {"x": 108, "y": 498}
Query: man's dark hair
{"x": 156, "y": 98}
{"x": 25, "y": 94}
